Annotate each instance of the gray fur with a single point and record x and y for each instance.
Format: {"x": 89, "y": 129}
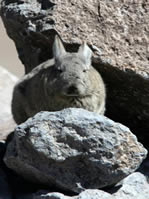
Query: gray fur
{"x": 68, "y": 80}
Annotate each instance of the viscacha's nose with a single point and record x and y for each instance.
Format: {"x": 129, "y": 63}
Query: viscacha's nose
{"x": 72, "y": 90}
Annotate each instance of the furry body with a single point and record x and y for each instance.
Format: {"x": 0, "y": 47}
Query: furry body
{"x": 68, "y": 80}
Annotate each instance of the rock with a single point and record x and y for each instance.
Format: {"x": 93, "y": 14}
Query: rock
{"x": 44, "y": 195}
{"x": 33, "y": 24}
{"x": 12, "y": 184}
{"x": 88, "y": 194}
{"x": 94, "y": 194}
{"x": 120, "y": 52}
{"x": 134, "y": 186}
{"x": 7, "y": 82}
{"x": 74, "y": 150}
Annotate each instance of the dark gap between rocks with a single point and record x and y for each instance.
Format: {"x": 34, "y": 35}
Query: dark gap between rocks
{"x": 46, "y": 4}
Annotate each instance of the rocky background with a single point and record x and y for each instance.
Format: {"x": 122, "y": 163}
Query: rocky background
{"x": 117, "y": 32}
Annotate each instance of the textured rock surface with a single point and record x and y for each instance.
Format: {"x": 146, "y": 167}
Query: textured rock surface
{"x": 44, "y": 195}
{"x": 73, "y": 149}
{"x": 117, "y": 31}
{"x": 7, "y": 82}
{"x": 88, "y": 194}
{"x": 134, "y": 186}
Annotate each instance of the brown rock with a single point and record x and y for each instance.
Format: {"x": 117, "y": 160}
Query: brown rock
{"x": 116, "y": 30}
{"x": 7, "y": 82}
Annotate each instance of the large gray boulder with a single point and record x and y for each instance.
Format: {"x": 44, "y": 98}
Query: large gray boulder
{"x": 7, "y": 82}
{"x": 73, "y": 149}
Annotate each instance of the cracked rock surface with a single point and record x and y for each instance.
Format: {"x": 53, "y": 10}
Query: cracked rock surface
{"x": 117, "y": 31}
{"x": 74, "y": 150}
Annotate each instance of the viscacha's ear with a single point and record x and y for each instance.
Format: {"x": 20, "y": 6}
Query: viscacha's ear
{"x": 86, "y": 54}
{"x": 58, "y": 48}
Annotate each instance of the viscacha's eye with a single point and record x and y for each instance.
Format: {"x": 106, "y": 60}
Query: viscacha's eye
{"x": 85, "y": 70}
{"x": 59, "y": 69}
